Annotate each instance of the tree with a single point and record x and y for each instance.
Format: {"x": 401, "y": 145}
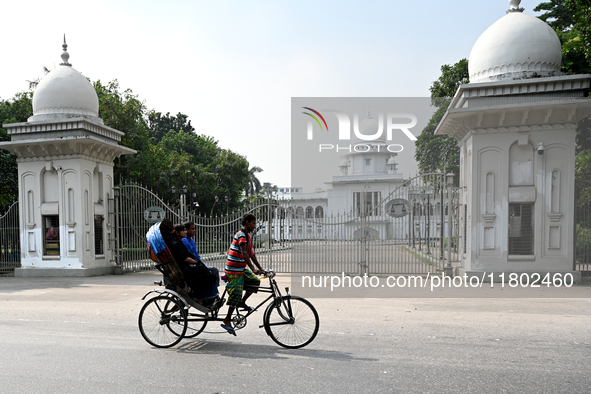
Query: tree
{"x": 159, "y": 125}
{"x": 441, "y": 153}
{"x": 254, "y": 185}
{"x": 571, "y": 19}
{"x": 125, "y": 112}
{"x": 558, "y": 15}
{"x": 581, "y": 25}
{"x": 15, "y": 110}
{"x": 196, "y": 161}
{"x": 180, "y": 157}
{"x": 231, "y": 171}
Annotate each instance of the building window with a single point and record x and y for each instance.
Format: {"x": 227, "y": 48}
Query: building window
{"x": 367, "y": 203}
{"x": 98, "y": 235}
{"x": 51, "y": 229}
{"x": 521, "y": 229}
{"x": 319, "y": 212}
{"x": 367, "y": 162}
{"x": 299, "y": 213}
{"x": 309, "y": 212}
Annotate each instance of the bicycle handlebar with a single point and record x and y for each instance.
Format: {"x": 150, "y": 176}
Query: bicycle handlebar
{"x": 268, "y": 274}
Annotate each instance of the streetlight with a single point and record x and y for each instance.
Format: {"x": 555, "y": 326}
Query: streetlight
{"x": 450, "y": 178}
{"x": 182, "y": 201}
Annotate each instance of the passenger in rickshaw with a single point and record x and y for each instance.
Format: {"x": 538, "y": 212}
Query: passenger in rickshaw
{"x": 202, "y": 280}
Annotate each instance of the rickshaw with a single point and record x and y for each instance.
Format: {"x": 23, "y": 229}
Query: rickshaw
{"x": 171, "y": 314}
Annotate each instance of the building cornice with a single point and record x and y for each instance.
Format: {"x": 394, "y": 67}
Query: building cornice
{"x": 555, "y": 102}
{"x": 105, "y": 161}
{"x": 18, "y": 129}
{"x": 88, "y": 146}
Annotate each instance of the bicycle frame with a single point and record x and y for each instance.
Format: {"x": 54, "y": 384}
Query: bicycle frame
{"x": 272, "y": 289}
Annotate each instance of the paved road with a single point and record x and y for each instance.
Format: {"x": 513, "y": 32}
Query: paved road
{"x": 74, "y": 335}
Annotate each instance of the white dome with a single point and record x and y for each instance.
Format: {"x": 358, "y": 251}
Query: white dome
{"x": 368, "y": 126}
{"x": 517, "y": 46}
{"x": 392, "y": 160}
{"x": 65, "y": 91}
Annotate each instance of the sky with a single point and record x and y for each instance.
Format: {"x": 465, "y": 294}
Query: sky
{"x": 233, "y": 66}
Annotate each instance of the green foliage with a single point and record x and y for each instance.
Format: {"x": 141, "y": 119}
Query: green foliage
{"x": 15, "y": 110}
{"x": 558, "y": 15}
{"x": 583, "y": 177}
{"x": 196, "y": 161}
{"x": 253, "y": 186}
{"x": 441, "y": 153}
{"x": 581, "y": 25}
{"x": 436, "y": 153}
{"x": 571, "y": 19}
{"x": 124, "y": 111}
{"x": 169, "y": 154}
{"x": 159, "y": 125}
{"x": 446, "y": 86}
{"x": 583, "y": 245}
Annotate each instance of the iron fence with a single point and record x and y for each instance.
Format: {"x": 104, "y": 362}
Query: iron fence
{"x": 10, "y": 257}
{"x": 134, "y": 209}
{"x": 583, "y": 239}
{"x": 412, "y": 230}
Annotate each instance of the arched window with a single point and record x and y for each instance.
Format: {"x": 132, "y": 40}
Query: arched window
{"x": 299, "y": 213}
{"x": 309, "y": 212}
{"x": 290, "y": 213}
{"x": 319, "y": 213}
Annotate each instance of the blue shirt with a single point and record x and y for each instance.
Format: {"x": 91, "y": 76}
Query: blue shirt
{"x": 191, "y": 247}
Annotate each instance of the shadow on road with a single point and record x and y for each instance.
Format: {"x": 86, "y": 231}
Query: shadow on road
{"x": 252, "y": 351}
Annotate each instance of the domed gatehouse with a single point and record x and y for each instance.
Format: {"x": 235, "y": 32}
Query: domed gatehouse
{"x": 65, "y": 159}
{"x": 515, "y": 123}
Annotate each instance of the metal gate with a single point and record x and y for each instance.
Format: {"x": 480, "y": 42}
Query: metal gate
{"x": 134, "y": 209}
{"x": 583, "y": 239}
{"x": 412, "y": 230}
{"x": 10, "y": 257}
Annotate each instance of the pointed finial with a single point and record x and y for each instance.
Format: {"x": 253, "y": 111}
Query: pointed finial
{"x": 65, "y": 54}
{"x": 515, "y": 6}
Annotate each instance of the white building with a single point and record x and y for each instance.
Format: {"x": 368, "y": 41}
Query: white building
{"x": 65, "y": 159}
{"x": 368, "y": 181}
{"x": 515, "y": 123}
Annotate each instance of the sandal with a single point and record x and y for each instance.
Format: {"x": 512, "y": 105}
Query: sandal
{"x": 229, "y": 329}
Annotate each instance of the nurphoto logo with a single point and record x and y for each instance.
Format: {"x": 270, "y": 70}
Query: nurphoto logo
{"x": 394, "y": 122}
